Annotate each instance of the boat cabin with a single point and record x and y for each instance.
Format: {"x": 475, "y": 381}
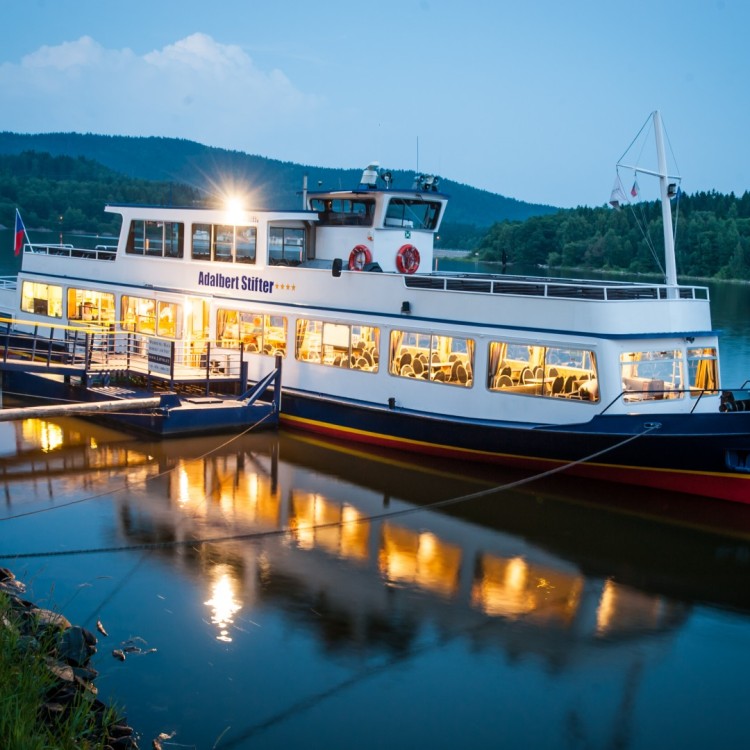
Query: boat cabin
{"x": 387, "y": 230}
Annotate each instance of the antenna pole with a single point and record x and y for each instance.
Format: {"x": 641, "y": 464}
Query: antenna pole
{"x": 666, "y": 208}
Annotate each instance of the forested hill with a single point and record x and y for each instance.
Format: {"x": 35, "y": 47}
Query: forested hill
{"x": 712, "y": 238}
{"x": 65, "y": 193}
{"x": 189, "y": 163}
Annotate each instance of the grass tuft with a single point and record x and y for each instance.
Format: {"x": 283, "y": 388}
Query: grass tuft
{"x": 29, "y": 719}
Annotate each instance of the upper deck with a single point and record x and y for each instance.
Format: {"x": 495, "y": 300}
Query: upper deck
{"x": 594, "y": 307}
{"x": 368, "y": 250}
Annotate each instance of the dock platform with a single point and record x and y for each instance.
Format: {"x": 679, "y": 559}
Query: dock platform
{"x": 112, "y": 378}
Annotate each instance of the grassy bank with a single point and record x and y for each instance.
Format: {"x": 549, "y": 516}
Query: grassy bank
{"x": 44, "y": 702}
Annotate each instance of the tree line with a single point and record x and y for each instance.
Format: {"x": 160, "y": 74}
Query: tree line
{"x": 712, "y": 232}
{"x": 69, "y": 194}
{"x": 63, "y": 193}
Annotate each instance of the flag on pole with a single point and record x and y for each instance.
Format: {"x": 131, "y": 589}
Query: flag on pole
{"x": 618, "y": 197}
{"x": 20, "y": 233}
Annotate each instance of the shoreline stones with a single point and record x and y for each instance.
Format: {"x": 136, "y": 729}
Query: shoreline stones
{"x": 67, "y": 660}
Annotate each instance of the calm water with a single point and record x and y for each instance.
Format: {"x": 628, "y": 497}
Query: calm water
{"x": 562, "y": 615}
{"x": 559, "y": 615}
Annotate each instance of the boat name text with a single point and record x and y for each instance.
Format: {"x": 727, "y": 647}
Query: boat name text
{"x": 244, "y": 283}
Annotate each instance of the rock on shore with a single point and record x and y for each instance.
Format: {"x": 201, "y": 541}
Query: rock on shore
{"x": 67, "y": 659}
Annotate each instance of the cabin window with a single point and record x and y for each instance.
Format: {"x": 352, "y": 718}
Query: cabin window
{"x": 256, "y": 332}
{"x": 245, "y": 241}
{"x": 344, "y": 211}
{"x": 168, "y": 320}
{"x": 412, "y": 213}
{"x": 138, "y": 315}
{"x": 702, "y": 371}
{"x": 163, "y": 239}
{"x": 42, "y": 299}
{"x": 91, "y": 307}
{"x": 338, "y": 344}
{"x": 651, "y": 375}
{"x": 529, "y": 369}
{"x": 224, "y": 243}
{"x": 441, "y": 359}
{"x": 286, "y": 246}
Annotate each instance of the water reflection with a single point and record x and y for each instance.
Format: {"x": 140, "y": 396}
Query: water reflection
{"x": 223, "y": 602}
{"x": 313, "y": 597}
{"x": 337, "y": 555}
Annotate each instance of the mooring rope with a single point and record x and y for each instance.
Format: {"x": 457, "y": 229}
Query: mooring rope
{"x": 258, "y": 535}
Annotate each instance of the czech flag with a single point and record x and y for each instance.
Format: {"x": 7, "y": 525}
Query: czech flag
{"x": 20, "y": 232}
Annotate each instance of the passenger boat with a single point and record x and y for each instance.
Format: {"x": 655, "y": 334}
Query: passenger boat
{"x": 611, "y": 380}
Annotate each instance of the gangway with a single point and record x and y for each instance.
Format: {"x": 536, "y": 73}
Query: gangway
{"x": 87, "y": 364}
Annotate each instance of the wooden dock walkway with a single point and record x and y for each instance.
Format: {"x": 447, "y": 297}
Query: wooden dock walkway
{"x": 177, "y": 393}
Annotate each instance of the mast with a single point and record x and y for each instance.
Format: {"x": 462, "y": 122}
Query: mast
{"x": 666, "y": 209}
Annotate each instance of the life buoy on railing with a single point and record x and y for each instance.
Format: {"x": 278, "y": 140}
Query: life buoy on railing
{"x": 359, "y": 257}
{"x": 407, "y": 259}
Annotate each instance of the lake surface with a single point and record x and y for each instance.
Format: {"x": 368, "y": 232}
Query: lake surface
{"x": 561, "y": 614}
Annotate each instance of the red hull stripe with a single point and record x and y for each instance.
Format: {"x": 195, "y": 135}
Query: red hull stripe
{"x": 725, "y": 486}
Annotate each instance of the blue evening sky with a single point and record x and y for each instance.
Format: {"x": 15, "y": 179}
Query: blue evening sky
{"x": 531, "y": 99}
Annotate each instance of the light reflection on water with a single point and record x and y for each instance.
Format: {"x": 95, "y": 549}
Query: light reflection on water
{"x": 223, "y": 602}
{"x": 319, "y": 619}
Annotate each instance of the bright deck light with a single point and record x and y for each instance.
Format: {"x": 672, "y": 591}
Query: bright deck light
{"x": 235, "y": 210}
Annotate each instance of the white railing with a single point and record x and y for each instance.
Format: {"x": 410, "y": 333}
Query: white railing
{"x": 100, "y": 252}
{"x": 556, "y": 288}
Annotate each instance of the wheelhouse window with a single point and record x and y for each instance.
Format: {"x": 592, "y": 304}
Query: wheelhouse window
{"x": 527, "y": 369}
{"x": 42, "y": 299}
{"x": 412, "y": 213}
{"x": 91, "y": 306}
{"x": 344, "y": 211}
{"x": 338, "y": 344}
{"x": 223, "y": 243}
{"x": 162, "y": 239}
{"x": 442, "y": 359}
{"x": 702, "y": 371}
{"x": 651, "y": 375}
{"x": 286, "y": 246}
{"x": 256, "y": 332}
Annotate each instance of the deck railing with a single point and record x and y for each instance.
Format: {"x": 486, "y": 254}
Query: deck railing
{"x": 100, "y": 252}
{"x": 554, "y": 288}
{"x": 95, "y": 352}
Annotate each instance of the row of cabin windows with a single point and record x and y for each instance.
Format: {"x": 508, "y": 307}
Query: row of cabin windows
{"x": 137, "y": 314}
{"x": 516, "y": 367}
{"x": 220, "y": 243}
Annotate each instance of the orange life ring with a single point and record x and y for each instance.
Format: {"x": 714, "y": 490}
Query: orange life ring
{"x": 359, "y": 257}
{"x": 407, "y": 259}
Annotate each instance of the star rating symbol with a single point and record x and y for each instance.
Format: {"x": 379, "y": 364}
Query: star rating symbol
{"x": 287, "y": 287}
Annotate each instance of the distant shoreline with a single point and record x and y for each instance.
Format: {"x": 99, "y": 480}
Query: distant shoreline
{"x": 445, "y": 253}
